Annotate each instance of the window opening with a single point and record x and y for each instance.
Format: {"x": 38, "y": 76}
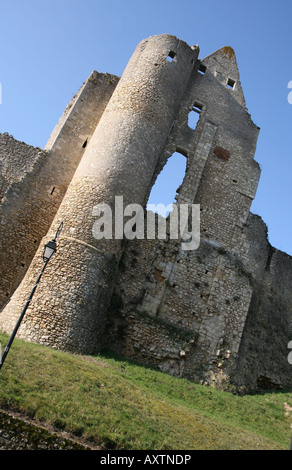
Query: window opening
{"x": 84, "y": 145}
{"x": 168, "y": 182}
{"x": 202, "y": 69}
{"x": 52, "y": 191}
{"x": 231, "y": 83}
{"x": 171, "y": 56}
{"x": 194, "y": 115}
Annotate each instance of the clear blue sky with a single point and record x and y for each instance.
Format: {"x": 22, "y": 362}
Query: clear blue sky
{"x": 48, "y": 49}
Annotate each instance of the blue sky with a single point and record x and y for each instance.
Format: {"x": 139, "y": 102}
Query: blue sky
{"x": 48, "y": 49}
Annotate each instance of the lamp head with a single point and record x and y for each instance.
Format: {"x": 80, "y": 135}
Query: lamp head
{"x": 50, "y": 249}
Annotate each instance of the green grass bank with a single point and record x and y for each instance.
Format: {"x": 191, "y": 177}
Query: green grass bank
{"x": 116, "y": 404}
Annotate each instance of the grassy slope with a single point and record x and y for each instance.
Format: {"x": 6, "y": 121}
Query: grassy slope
{"x": 121, "y": 405}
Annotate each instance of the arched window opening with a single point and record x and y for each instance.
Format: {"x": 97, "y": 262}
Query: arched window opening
{"x": 167, "y": 183}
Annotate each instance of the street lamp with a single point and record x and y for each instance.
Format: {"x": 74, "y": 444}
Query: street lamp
{"x": 49, "y": 250}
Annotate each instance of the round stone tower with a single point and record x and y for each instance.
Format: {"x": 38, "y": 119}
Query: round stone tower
{"x": 68, "y": 310}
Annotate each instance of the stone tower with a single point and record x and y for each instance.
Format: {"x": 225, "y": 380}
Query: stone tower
{"x": 120, "y": 159}
{"x": 194, "y": 313}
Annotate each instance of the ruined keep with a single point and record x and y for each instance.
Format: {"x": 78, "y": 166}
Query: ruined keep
{"x": 219, "y": 314}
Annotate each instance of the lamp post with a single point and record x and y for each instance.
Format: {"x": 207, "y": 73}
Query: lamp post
{"x": 49, "y": 250}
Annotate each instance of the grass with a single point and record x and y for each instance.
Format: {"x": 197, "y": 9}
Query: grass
{"x": 117, "y": 404}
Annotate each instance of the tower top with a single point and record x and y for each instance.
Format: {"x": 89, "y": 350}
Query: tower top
{"x": 223, "y": 65}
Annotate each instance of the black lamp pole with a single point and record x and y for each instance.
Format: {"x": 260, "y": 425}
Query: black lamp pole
{"x": 50, "y": 249}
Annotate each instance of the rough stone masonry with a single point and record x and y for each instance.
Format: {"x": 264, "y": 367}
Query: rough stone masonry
{"x": 219, "y": 314}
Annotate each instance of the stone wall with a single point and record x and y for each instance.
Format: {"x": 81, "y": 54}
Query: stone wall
{"x": 210, "y": 292}
{"x": 263, "y": 354}
{"x": 16, "y": 160}
{"x": 207, "y": 291}
{"x": 32, "y": 197}
{"x": 233, "y": 315}
{"x": 21, "y": 434}
{"x": 20, "y": 219}
{"x": 205, "y": 294}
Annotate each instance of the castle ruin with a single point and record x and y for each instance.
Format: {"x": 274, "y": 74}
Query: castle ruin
{"x": 219, "y": 314}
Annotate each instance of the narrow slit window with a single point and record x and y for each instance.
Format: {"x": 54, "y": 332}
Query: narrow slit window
{"x": 202, "y": 69}
{"x": 194, "y": 115}
{"x": 197, "y": 108}
{"x": 171, "y": 56}
{"x": 230, "y": 83}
